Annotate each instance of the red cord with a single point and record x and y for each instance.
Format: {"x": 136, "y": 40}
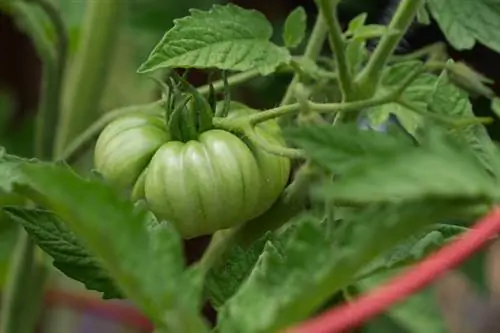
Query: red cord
{"x": 349, "y": 316}
{"x": 124, "y": 313}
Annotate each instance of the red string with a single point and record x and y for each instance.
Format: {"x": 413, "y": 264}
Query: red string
{"x": 123, "y": 313}
{"x": 351, "y": 315}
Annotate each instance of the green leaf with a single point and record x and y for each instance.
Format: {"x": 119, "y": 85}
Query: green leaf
{"x": 495, "y": 106}
{"x": 146, "y": 262}
{"x": 414, "y": 249}
{"x": 345, "y": 146}
{"x": 461, "y": 28}
{"x": 448, "y": 99}
{"x": 416, "y": 94}
{"x": 357, "y": 23}
{"x": 224, "y": 279}
{"x": 295, "y": 27}
{"x": 386, "y": 170}
{"x": 226, "y": 37}
{"x": 280, "y": 277}
{"x": 297, "y": 273}
{"x": 416, "y": 314}
{"x": 356, "y": 48}
{"x": 469, "y": 79}
{"x": 69, "y": 255}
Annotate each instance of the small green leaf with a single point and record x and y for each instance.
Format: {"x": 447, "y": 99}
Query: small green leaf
{"x": 226, "y": 37}
{"x": 423, "y": 16}
{"x": 69, "y": 255}
{"x": 295, "y": 27}
{"x": 461, "y": 28}
{"x": 495, "y": 106}
{"x": 356, "y": 23}
{"x": 448, "y": 99}
{"x": 470, "y": 80}
{"x": 356, "y": 55}
{"x": 416, "y": 94}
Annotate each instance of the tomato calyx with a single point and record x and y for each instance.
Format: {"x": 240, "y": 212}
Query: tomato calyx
{"x": 187, "y": 113}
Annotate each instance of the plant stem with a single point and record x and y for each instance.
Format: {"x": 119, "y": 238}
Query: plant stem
{"x": 368, "y": 79}
{"x": 329, "y": 12}
{"x": 313, "y": 49}
{"x": 231, "y": 80}
{"x": 90, "y": 69}
{"x": 26, "y": 280}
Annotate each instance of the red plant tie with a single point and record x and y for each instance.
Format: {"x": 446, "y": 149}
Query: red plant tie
{"x": 351, "y": 315}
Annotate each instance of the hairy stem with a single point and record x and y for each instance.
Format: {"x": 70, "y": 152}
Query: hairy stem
{"x": 231, "y": 80}
{"x": 329, "y": 11}
{"x": 368, "y": 79}
{"x": 90, "y": 69}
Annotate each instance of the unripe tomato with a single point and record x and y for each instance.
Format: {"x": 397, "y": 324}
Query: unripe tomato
{"x": 125, "y": 147}
{"x": 201, "y": 186}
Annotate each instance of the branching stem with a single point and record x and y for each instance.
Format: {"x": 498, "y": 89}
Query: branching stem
{"x": 368, "y": 79}
{"x": 328, "y": 8}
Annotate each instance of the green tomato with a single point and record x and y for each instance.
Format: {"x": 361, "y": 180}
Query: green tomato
{"x": 125, "y": 147}
{"x": 201, "y": 186}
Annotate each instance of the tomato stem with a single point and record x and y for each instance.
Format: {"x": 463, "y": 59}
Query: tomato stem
{"x": 368, "y": 79}
{"x": 328, "y": 9}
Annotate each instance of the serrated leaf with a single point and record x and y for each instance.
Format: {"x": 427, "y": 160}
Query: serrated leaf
{"x": 226, "y": 37}
{"x": 345, "y": 146}
{"x": 295, "y": 275}
{"x": 146, "y": 263}
{"x": 69, "y": 255}
{"x": 416, "y": 94}
{"x": 448, "y": 99}
{"x": 295, "y": 27}
{"x": 414, "y": 249}
{"x": 224, "y": 279}
{"x": 388, "y": 170}
{"x": 461, "y": 28}
{"x": 416, "y": 314}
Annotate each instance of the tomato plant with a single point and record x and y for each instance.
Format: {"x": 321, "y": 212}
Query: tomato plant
{"x": 372, "y": 161}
